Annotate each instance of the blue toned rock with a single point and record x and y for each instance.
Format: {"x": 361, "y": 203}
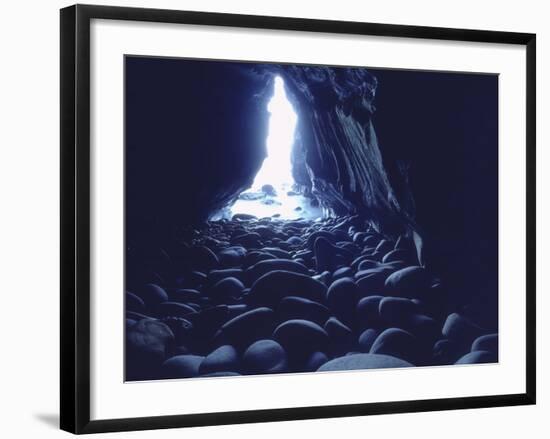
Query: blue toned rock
{"x": 477, "y": 357}
{"x": 410, "y": 282}
{"x": 263, "y": 267}
{"x": 146, "y": 346}
{"x": 461, "y": 329}
{"x": 249, "y": 240}
{"x": 248, "y": 327}
{"x": 342, "y": 272}
{"x": 366, "y": 339}
{"x": 272, "y": 287}
{"x": 395, "y": 311}
{"x": 182, "y": 366}
{"x": 226, "y": 288}
{"x": 341, "y": 338}
{"x": 372, "y": 283}
{"x": 265, "y": 356}
{"x": 217, "y": 275}
{"x": 446, "y": 352}
{"x": 231, "y": 256}
{"x": 134, "y": 303}
{"x": 314, "y": 361}
{"x": 152, "y": 294}
{"x": 367, "y": 264}
{"x": 363, "y": 361}
{"x": 330, "y": 237}
{"x": 325, "y": 278}
{"x": 399, "y": 343}
{"x": 294, "y": 307}
{"x": 342, "y": 299}
{"x": 367, "y": 313}
{"x": 300, "y": 336}
{"x": 486, "y": 343}
{"x": 277, "y": 252}
{"x": 328, "y": 256}
{"x": 202, "y": 258}
{"x": 254, "y": 257}
{"x": 422, "y": 326}
{"x": 223, "y": 359}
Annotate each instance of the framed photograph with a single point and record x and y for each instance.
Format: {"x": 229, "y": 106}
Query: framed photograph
{"x": 268, "y": 218}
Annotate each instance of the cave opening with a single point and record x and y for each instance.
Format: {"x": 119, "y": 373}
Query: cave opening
{"x": 274, "y": 192}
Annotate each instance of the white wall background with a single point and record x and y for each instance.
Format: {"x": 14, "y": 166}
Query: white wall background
{"x": 29, "y": 200}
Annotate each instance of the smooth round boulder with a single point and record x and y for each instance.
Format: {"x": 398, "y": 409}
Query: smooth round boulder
{"x": 217, "y": 275}
{"x": 342, "y": 298}
{"x": 300, "y": 336}
{"x": 248, "y": 240}
{"x": 265, "y": 356}
{"x": 134, "y": 303}
{"x": 231, "y": 256}
{"x": 272, "y": 287}
{"x": 230, "y": 287}
{"x": 478, "y": 357}
{"x": 410, "y": 282}
{"x": 147, "y": 342}
{"x": 398, "y": 343}
{"x": 152, "y": 294}
{"x": 202, "y": 258}
{"x": 487, "y": 342}
{"x": 367, "y": 264}
{"x": 422, "y": 326}
{"x": 395, "y": 311}
{"x": 277, "y": 252}
{"x": 366, "y": 339}
{"x": 342, "y": 272}
{"x": 182, "y": 366}
{"x": 294, "y": 307}
{"x": 263, "y": 267}
{"x": 341, "y": 338}
{"x": 446, "y": 352}
{"x": 248, "y": 327}
{"x": 371, "y": 283}
{"x": 363, "y": 361}
{"x": 460, "y": 329}
{"x": 223, "y": 359}
{"x": 330, "y": 237}
{"x": 367, "y": 313}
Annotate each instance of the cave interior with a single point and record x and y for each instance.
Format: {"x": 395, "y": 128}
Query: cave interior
{"x": 408, "y": 156}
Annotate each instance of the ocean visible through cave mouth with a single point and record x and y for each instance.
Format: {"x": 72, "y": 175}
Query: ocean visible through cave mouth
{"x": 273, "y": 192}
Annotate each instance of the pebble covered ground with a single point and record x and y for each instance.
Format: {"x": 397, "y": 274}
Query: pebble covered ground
{"x": 258, "y": 296}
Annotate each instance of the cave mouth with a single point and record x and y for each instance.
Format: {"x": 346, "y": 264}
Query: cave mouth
{"x": 274, "y": 193}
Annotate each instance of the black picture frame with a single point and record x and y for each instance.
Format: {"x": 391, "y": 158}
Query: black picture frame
{"x": 75, "y": 217}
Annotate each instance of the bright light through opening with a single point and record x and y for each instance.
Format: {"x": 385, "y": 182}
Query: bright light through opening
{"x": 276, "y": 170}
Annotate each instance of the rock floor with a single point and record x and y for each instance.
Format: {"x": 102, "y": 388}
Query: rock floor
{"x": 259, "y": 296}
